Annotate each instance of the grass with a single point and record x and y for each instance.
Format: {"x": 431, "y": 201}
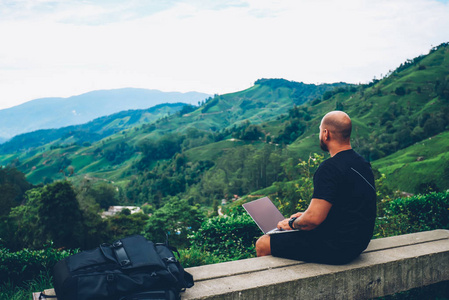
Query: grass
{"x": 423, "y": 162}
{"x": 24, "y": 292}
{"x": 212, "y": 151}
{"x": 303, "y": 147}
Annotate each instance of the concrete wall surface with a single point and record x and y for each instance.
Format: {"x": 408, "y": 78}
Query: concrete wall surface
{"x": 388, "y": 266}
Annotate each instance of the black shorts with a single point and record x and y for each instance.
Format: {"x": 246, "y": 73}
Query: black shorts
{"x": 298, "y": 245}
{"x": 311, "y": 247}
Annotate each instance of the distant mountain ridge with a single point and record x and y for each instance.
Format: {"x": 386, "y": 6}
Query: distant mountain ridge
{"x": 92, "y": 131}
{"x": 48, "y": 113}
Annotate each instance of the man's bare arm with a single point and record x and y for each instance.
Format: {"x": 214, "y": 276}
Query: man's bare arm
{"x": 315, "y": 214}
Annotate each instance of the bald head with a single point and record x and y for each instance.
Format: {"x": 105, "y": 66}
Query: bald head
{"x": 339, "y": 124}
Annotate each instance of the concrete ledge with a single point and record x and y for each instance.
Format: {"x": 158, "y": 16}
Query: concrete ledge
{"x": 388, "y": 266}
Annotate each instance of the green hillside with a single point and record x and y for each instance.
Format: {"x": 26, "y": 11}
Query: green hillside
{"x": 109, "y": 147}
{"x": 406, "y": 107}
{"x": 397, "y": 122}
{"x": 421, "y": 167}
{"x": 412, "y": 103}
{"x": 250, "y": 140}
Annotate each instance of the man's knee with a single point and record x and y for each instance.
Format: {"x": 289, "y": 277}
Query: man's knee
{"x": 263, "y": 247}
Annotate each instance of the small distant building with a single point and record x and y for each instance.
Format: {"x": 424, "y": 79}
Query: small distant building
{"x": 113, "y": 210}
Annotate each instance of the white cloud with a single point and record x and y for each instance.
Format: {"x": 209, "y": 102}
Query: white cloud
{"x": 62, "y": 48}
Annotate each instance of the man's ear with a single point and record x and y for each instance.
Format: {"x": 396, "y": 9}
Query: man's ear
{"x": 326, "y": 134}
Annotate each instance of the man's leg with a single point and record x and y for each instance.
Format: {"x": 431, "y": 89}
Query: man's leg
{"x": 298, "y": 245}
{"x": 263, "y": 246}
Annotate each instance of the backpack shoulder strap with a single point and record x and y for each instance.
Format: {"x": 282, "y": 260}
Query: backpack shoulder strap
{"x": 43, "y": 296}
{"x": 188, "y": 279}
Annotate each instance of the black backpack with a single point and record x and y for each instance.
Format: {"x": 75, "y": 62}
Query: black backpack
{"x": 132, "y": 268}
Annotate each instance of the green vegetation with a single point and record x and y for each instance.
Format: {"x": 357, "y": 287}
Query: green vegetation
{"x": 420, "y": 168}
{"x": 406, "y": 107}
{"x": 188, "y": 163}
{"x": 216, "y": 239}
{"x": 13, "y": 186}
{"x": 413, "y": 214}
{"x": 177, "y": 219}
{"x": 66, "y": 217}
{"x": 227, "y": 238}
{"x": 25, "y": 265}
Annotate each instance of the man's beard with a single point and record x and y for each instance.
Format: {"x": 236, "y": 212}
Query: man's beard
{"x": 323, "y": 146}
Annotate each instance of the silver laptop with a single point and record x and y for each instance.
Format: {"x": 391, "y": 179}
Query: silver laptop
{"x": 265, "y": 214}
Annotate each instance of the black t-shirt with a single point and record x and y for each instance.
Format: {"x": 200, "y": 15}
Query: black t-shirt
{"x": 346, "y": 180}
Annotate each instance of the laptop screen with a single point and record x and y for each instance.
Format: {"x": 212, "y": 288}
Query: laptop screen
{"x": 264, "y": 213}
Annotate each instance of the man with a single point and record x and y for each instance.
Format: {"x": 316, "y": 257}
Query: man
{"x": 338, "y": 224}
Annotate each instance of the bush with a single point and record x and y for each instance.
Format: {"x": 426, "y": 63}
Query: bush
{"x": 177, "y": 219}
{"x": 400, "y": 91}
{"x": 227, "y": 237}
{"x": 414, "y": 214}
{"x": 424, "y": 212}
{"x": 24, "y": 265}
{"x": 196, "y": 257}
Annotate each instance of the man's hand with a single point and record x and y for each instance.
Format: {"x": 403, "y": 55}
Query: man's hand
{"x": 283, "y": 225}
{"x": 297, "y": 215}
{"x": 315, "y": 214}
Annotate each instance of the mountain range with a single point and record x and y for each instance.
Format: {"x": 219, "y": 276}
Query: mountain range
{"x": 46, "y": 113}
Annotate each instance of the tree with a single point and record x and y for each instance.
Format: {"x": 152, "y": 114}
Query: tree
{"x": 442, "y": 89}
{"x": 214, "y": 184}
{"x": 165, "y": 147}
{"x": 417, "y": 133}
{"x": 433, "y": 125}
{"x": 125, "y": 224}
{"x": 295, "y": 196}
{"x": 60, "y": 215}
{"x": 403, "y": 137}
{"x": 22, "y": 227}
{"x": 252, "y": 133}
{"x": 7, "y": 195}
{"x": 94, "y": 229}
{"x": 13, "y": 186}
{"x": 339, "y": 106}
{"x": 104, "y": 194}
{"x": 427, "y": 187}
{"x": 400, "y": 91}
{"x": 293, "y": 129}
{"x": 176, "y": 218}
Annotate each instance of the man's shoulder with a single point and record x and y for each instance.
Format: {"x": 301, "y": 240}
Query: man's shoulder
{"x": 344, "y": 160}
{"x": 348, "y": 156}
{"x": 330, "y": 166}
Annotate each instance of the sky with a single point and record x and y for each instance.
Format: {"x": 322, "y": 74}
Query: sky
{"x": 61, "y": 48}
